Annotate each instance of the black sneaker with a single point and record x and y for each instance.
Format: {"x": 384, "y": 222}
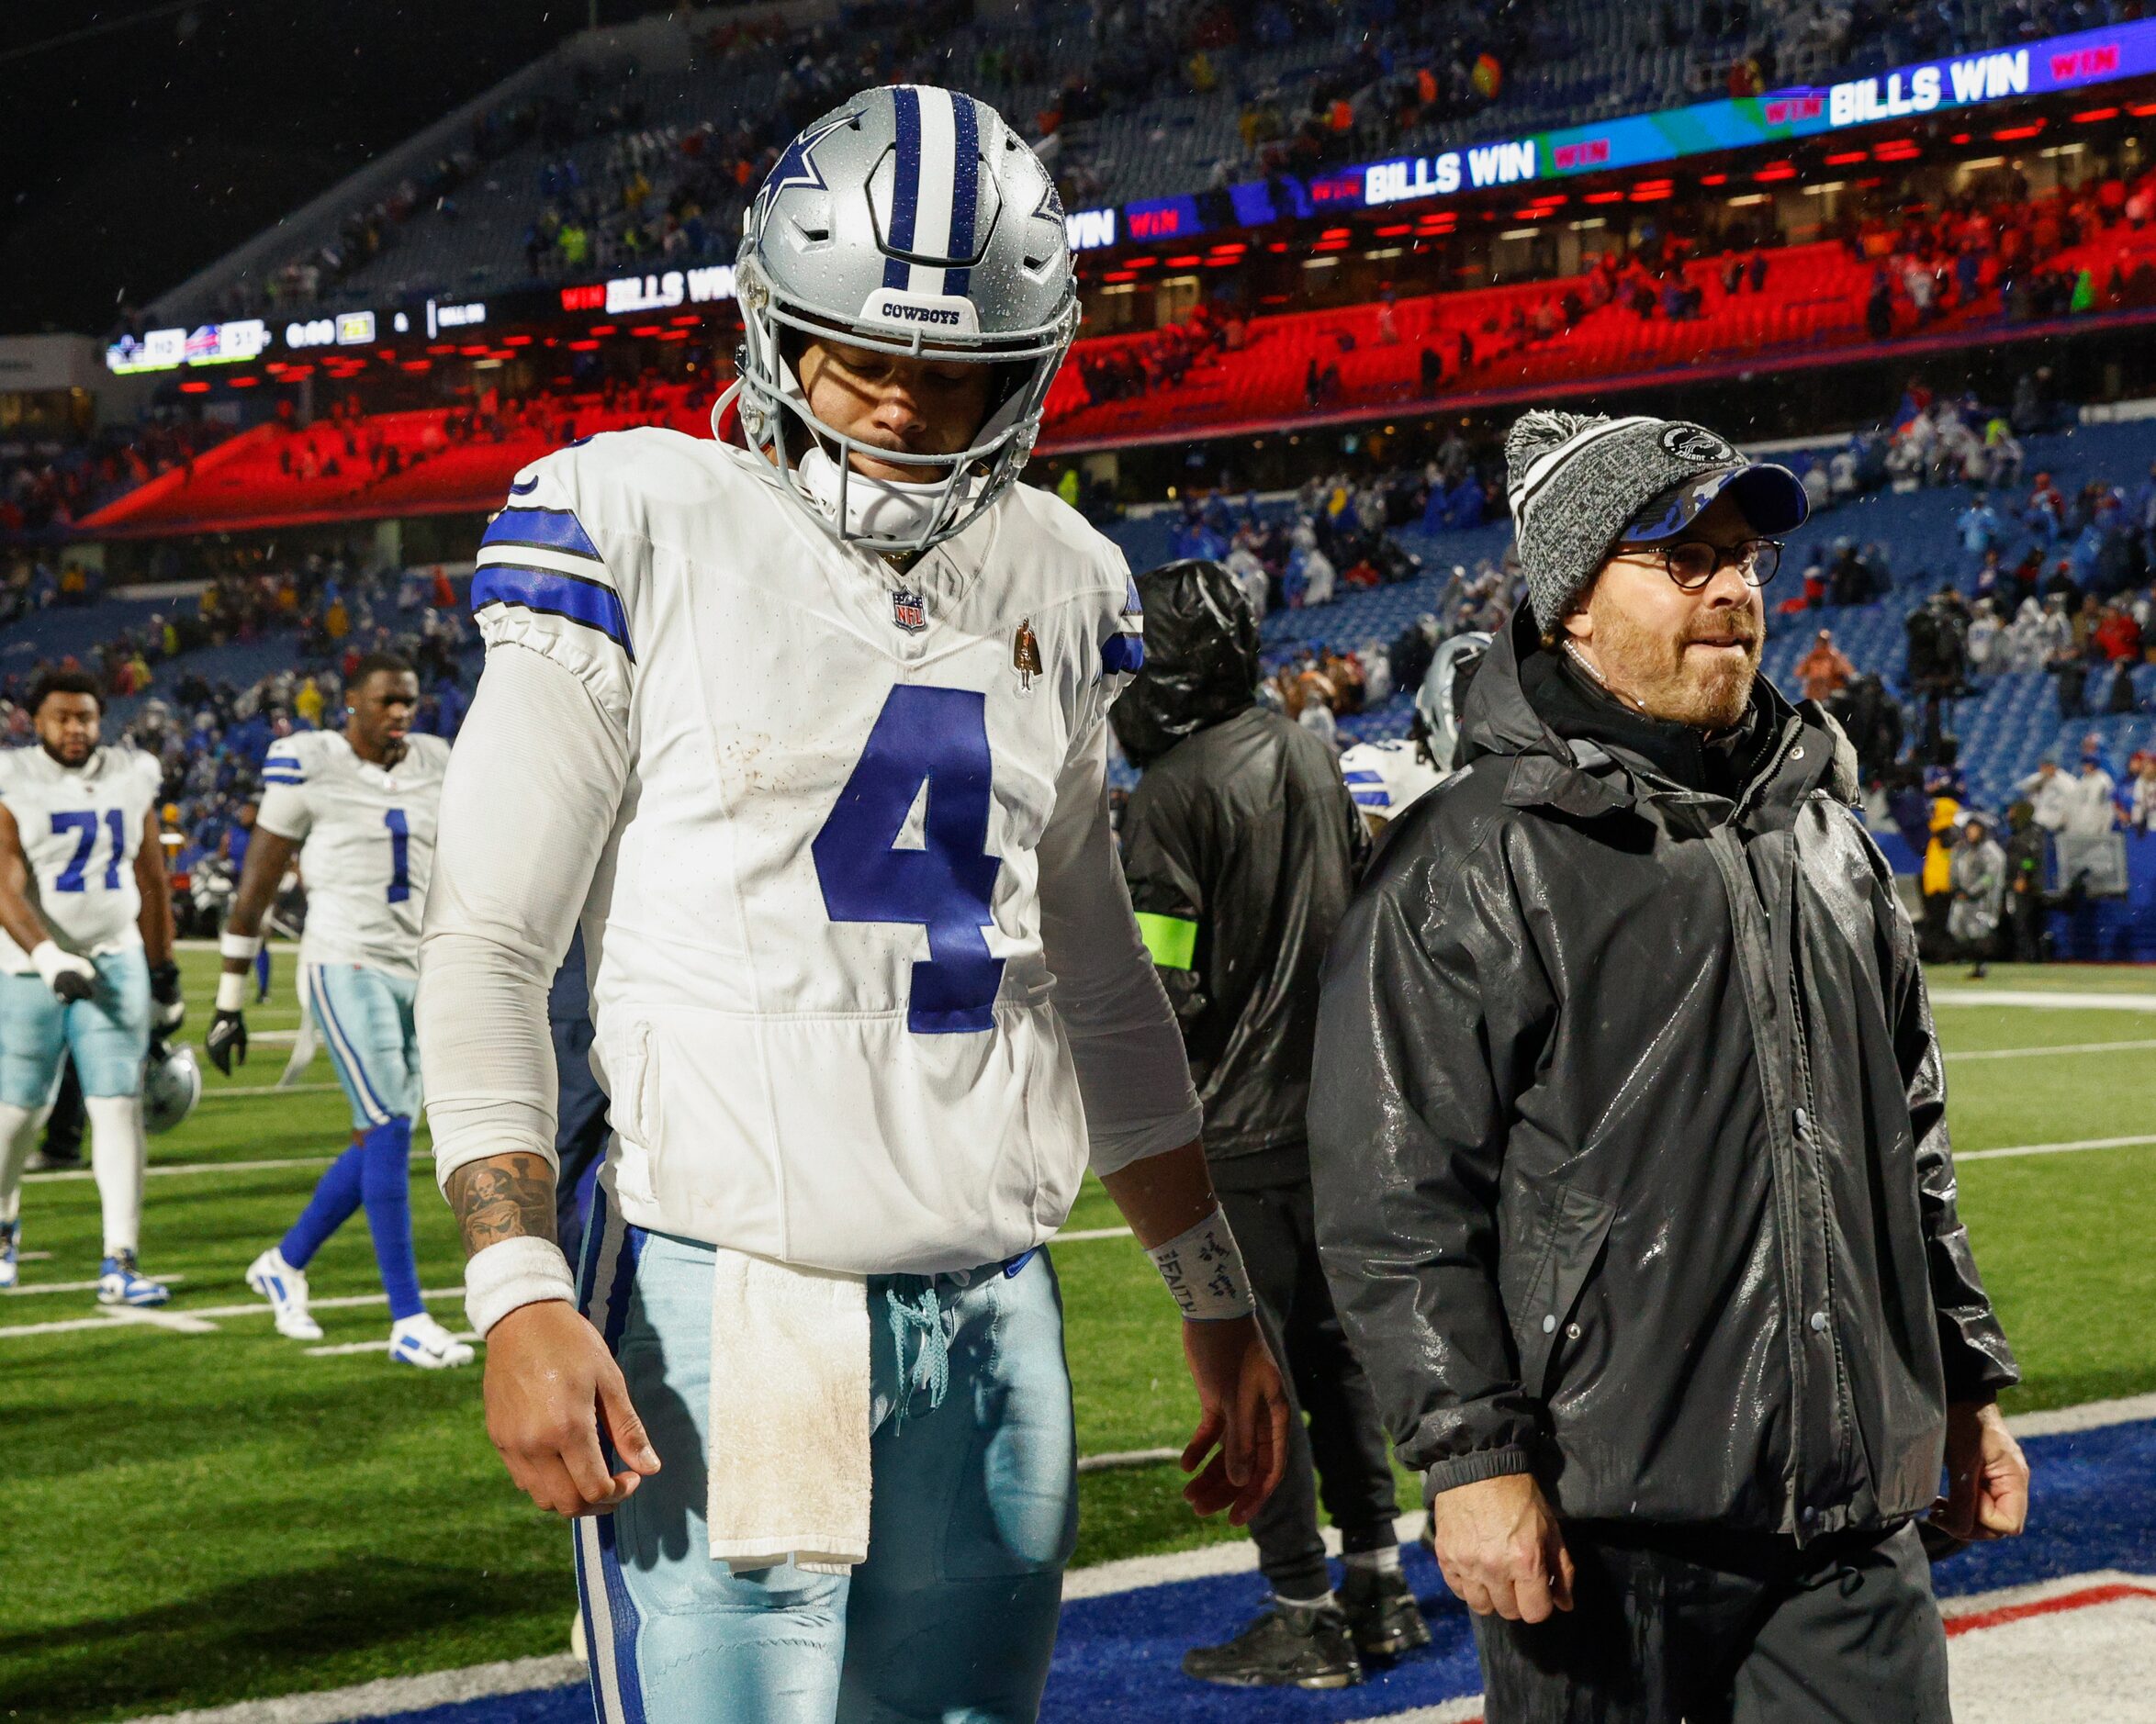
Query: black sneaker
{"x": 1381, "y": 1612}
{"x": 1297, "y": 1646}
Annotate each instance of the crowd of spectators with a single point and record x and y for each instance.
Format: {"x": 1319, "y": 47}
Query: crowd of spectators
{"x": 49, "y": 488}
{"x": 212, "y": 735}
{"x": 676, "y": 193}
{"x": 1995, "y": 249}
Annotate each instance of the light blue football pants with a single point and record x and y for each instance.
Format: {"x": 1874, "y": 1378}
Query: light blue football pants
{"x": 108, "y": 1033}
{"x": 973, "y": 1515}
{"x": 366, "y": 1022}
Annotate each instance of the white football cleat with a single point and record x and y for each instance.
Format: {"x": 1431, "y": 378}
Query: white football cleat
{"x": 286, "y": 1289}
{"x": 10, "y": 1238}
{"x": 121, "y": 1283}
{"x": 424, "y": 1342}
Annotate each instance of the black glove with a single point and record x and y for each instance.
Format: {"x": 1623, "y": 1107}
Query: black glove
{"x": 71, "y": 985}
{"x": 164, "y": 989}
{"x": 227, "y": 1035}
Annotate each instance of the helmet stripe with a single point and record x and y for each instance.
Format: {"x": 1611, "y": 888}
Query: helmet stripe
{"x": 932, "y": 211}
{"x": 906, "y": 186}
{"x": 965, "y": 191}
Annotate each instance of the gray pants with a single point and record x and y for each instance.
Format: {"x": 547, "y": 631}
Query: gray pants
{"x": 1683, "y": 1628}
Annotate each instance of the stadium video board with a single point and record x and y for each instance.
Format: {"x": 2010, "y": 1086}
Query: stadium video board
{"x": 1962, "y": 81}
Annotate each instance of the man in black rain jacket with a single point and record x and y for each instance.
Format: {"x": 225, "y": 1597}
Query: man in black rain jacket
{"x": 1241, "y": 845}
{"x": 1630, "y": 1148}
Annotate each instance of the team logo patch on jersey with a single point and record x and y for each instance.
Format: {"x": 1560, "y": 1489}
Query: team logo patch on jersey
{"x": 1026, "y": 657}
{"x": 908, "y": 612}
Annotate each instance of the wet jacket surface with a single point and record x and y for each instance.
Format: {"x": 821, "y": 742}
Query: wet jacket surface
{"x": 1629, "y": 1140}
{"x": 1241, "y": 845}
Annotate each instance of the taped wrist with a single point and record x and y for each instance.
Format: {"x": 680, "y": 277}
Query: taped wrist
{"x": 231, "y": 992}
{"x": 1204, "y": 1271}
{"x": 514, "y": 1272}
{"x": 243, "y": 946}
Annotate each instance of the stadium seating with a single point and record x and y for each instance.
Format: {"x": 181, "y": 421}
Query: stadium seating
{"x": 2006, "y": 730}
{"x": 447, "y": 212}
{"x": 1813, "y": 299}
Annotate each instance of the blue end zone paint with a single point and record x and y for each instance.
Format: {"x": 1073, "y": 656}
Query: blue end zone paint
{"x": 1117, "y": 1657}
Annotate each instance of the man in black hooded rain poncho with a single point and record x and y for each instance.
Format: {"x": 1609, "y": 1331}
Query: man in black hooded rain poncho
{"x": 1241, "y": 844}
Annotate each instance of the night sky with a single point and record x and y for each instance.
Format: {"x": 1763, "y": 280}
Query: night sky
{"x": 133, "y": 158}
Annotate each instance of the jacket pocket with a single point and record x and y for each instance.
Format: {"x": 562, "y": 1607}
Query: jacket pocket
{"x": 1578, "y": 1227}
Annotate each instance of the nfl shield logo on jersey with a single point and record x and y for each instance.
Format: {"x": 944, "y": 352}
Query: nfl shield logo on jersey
{"x": 908, "y": 612}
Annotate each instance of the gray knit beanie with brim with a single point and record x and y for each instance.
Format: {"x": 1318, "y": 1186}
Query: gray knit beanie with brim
{"x": 1579, "y": 484}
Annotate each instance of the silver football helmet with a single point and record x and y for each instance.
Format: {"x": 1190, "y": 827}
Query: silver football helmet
{"x": 171, "y": 1084}
{"x": 1437, "y": 701}
{"x": 910, "y": 220}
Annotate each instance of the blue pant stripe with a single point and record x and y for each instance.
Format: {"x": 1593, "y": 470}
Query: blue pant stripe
{"x": 611, "y": 1617}
{"x": 350, "y": 1067}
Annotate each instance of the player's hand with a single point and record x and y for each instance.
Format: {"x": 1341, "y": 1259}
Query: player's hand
{"x": 1987, "y": 1476}
{"x": 70, "y": 977}
{"x": 225, "y": 1040}
{"x": 1244, "y": 1408}
{"x": 552, "y": 1392}
{"x": 168, "y": 1009}
{"x": 1499, "y": 1548}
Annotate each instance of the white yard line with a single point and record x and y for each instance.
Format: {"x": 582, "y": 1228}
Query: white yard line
{"x": 2089, "y": 1416}
{"x": 1084, "y": 1233}
{"x": 2031, "y": 1053}
{"x": 172, "y": 1168}
{"x": 393, "y": 1694}
{"x": 200, "y": 1320}
{"x": 2045, "y": 999}
{"x": 2052, "y": 1148}
{"x": 1120, "y": 1459}
{"x": 302, "y": 1089}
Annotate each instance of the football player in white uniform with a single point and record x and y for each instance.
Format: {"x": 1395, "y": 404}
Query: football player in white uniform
{"x": 358, "y": 808}
{"x": 86, "y": 954}
{"x": 1386, "y": 777}
{"x": 806, "y": 730}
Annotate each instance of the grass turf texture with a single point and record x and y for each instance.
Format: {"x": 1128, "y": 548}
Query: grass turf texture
{"x": 197, "y": 1518}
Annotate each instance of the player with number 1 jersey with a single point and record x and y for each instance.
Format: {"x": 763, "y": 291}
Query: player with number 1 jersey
{"x": 359, "y": 808}
{"x": 804, "y": 726}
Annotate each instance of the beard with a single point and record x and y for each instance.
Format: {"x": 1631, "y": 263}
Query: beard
{"x": 1667, "y": 679}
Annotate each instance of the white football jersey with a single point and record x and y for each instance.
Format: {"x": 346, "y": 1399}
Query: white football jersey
{"x": 80, "y": 829}
{"x": 366, "y": 843}
{"x": 815, "y": 933}
{"x": 1384, "y": 777}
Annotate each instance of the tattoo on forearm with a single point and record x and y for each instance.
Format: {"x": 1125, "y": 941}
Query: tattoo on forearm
{"x": 505, "y": 1198}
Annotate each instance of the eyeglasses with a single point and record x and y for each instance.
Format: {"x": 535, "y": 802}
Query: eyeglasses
{"x": 1692, "y": 563}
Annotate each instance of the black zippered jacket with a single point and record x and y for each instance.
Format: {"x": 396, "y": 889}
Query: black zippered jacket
{"x": 1628, "y": 1136}
{"x": 1241, "y": 845}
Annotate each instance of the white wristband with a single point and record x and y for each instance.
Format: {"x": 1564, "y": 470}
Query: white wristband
{"x": 232, "y": 989}
{"x": 512, "y": 1273}
{"x": 243, "y": 946}
{"x": 1204, "y": 1271}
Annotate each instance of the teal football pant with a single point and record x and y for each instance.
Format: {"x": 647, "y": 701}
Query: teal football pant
{"x": 973, "y": 1514}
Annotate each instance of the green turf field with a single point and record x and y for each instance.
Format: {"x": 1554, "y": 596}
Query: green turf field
{"x": 196, "y": 1517}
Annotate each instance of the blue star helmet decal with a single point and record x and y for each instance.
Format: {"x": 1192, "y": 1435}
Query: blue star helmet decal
{"x": 798, "y": 165}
